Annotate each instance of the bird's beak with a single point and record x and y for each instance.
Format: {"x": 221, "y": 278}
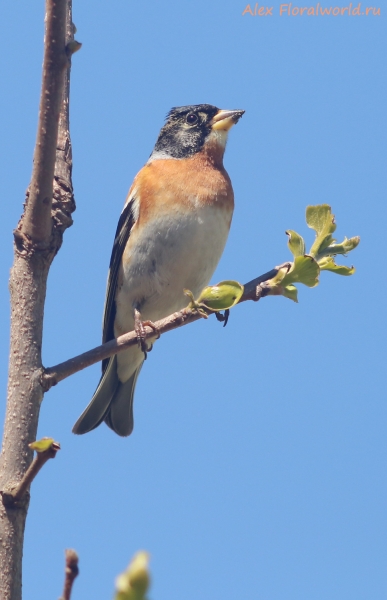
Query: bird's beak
{"x": 225, "y": 119}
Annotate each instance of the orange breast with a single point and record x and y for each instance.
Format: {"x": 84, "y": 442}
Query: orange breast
{"x": 182, "y": 185}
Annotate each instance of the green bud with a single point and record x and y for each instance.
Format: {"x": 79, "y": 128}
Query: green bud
{"x": 42, "y": 445}
{"x": 73, "y": 47}
{"x": 134, "y": 582}
{"x": 343, "y": 248}
{"x": 221, "y": 296}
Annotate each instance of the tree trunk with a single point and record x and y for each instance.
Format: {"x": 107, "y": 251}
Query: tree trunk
{"x": 38, "y": 237}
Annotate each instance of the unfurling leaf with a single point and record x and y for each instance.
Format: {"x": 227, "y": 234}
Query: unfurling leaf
{"x": 281, "y": 274}
{"x": 328, "y": 264}
{"x": 221, "y": 296}
{"x": 42, "y": 445}
{"x": 304, "y": 270}
{"x": 134, "y": 582}
{"x": 320, "y": 219}
{"x": 343, "y": 248}
{"x": 296, "y": 243}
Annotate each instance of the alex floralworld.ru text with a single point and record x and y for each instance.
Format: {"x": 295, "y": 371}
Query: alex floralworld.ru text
{"x": 257, "y": 10}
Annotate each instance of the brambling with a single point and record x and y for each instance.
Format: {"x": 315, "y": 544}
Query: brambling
{"x": 170, "y": 236}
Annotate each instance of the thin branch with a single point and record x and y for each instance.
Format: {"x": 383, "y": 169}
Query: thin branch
{"x": 36, "y": 224}
{"x": 71, "y": 572}
{"x": 12, "y": 497}
{"x": 253, "y": 290}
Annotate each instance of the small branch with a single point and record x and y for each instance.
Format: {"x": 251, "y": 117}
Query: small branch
{"x": 12, "y": 497}
{"x": 71, "y": 572}
{"x": 253, "y": 290}
{"x": 256, "y": 289}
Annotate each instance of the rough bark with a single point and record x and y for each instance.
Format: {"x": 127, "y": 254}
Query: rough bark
{"x": 48, "y": 208}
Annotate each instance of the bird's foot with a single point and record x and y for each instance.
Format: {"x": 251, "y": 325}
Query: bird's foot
{"x": 223, "y": 318}
{"x": 139, "y": 328}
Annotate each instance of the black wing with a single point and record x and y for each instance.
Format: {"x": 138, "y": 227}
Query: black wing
{"x": 124, "y": 228}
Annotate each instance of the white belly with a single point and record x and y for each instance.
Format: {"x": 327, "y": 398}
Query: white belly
{"x": 171, "y": 254}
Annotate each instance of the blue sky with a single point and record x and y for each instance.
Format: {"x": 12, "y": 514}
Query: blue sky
{"x": 257, "y": 465}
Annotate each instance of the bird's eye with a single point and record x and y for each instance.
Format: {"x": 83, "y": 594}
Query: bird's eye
{"x": 192, "y": 119}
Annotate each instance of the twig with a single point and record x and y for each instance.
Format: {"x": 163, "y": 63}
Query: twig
{"x": 253, "y": 290}
{"x": 71, "y": 572}
{"x": 13, "y": 496}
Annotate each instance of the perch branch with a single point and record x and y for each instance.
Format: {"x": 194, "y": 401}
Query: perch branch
{"x": 253, "y": 290}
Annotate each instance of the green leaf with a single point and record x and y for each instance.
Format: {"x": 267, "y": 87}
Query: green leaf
{"x": 328, "y": 264}
{"x": 304, "y": 270}
{"x": 221, "y": 296}
{"x": 343, "y": 248}
{"x": 291, "y": 292}
{"x": 320, "y": 219}
{"x": 306, "y": 267}
{"x": 296, "y": 243}
{"x": 42, "y": 445}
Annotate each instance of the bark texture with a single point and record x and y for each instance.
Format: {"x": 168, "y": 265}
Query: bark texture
{"x": 38, "y": 237}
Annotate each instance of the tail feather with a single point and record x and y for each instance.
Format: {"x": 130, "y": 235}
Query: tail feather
{"x": 98, "y": 406}
{"x": 119, "y": 416}
{"x": 112, "y": 401}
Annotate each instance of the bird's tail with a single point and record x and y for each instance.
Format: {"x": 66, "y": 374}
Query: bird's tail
{"x": 112, "y": 402}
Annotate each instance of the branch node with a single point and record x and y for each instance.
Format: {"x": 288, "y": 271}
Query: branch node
{"x": 73, "y": 47}
{"x": 9, "y": 501}
{"x": 47, "y": 380}
{"x": 262, "y": 290}
{"x": 24, "y": 246}
{"x": 258, "y": 292}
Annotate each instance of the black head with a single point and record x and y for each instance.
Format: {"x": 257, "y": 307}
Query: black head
{"x": 188, "y": 128}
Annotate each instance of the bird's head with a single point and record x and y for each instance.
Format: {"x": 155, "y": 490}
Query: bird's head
{"x": 192, "y": 129}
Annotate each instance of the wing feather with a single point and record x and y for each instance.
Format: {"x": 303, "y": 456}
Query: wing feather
{"x": 124, "y": 228}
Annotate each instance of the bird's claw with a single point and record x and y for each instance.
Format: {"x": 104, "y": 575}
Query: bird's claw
{"x": 139, "y": 327}
{"x": 223, "y": 318}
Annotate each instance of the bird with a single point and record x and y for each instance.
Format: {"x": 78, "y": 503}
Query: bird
{"x": 170, "y": 236}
